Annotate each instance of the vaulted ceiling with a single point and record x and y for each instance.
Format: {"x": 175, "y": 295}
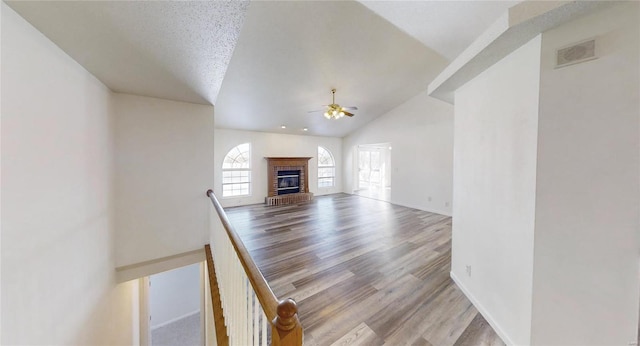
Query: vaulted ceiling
{"x": 266, "y": 63}
{"x": 290, "y": 55}
{"x": 447, "y": 27}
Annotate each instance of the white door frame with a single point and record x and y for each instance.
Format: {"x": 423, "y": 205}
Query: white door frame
{"x": 145, "y": 313}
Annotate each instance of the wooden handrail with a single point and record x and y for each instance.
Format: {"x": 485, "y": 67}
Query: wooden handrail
{"x": 283, "y": 314}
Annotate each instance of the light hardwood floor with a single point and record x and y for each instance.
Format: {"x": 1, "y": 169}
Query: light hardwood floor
{"x": 363, "y": 271}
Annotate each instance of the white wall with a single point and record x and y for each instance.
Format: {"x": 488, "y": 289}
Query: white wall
{"x": 58, "y": 279}
{"x": 587, "y": 199}
{"x": 163, "y": 167}
{"x": 1, "y": 10}
{"x": 420, "y": 131}
{"x": 496, "y": 116}
{"x": 174, "y": 294}
{"x": 265, "y": 144}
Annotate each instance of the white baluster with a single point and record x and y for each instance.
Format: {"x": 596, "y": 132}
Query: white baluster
{"x": 230, "y": 292}
{"x": 235, "y": 300}
{"x": 264, "y": 329}
{"x": 249, "y": 313}
{"x": 256, "y": 319}
{"x": 225, "y": 277}
{"x": 240, "y": 289}
{"x": 250, "y": 317}
{"x": 229, "y": 297}
{"x": 239, "y": 308}
{"x": 223, "y": 282}
{"x": 245, "y": 306}
{"x": 246, "y": 312}
{"x": 234, "y": 308}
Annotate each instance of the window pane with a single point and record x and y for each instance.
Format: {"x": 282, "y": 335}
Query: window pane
{"x": 326, "y": 168}
{"x": 375, "y": 160}
{"x": 325, "y": 182}
{"x": 324, "y": 157}
{"x": 325, "y": 177}
{"x": 374, "y": 177}
{"x": 326, "y": 172}
{"x": 236, "y": 173}
{"x": 238, "y": 157}
{"x": 364, "y": 160}
{"x": 230, "y": 176}
{"x": 231, "y": 190}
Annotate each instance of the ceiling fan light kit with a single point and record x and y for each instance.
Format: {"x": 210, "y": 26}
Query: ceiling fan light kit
{"x": 334, "y": 112}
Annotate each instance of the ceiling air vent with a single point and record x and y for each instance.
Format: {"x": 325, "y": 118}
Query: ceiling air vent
{"x": 576, "y": 53}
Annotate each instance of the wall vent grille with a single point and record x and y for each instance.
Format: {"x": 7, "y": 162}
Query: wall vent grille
{"x": 576, "y": 53}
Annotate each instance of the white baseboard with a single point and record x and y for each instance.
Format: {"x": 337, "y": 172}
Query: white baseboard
{"x": 430, "y": 210}
{"x": 189, "y": 314}
{"x": 487, "y": 316}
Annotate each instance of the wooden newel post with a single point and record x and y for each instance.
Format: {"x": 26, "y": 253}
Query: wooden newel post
{"x": 286, "y": 328}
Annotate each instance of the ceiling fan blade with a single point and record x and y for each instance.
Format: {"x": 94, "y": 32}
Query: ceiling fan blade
{"x": 348, "y": 114}
{"x": 323, "y": 109}
{"x": 352, "y": 108}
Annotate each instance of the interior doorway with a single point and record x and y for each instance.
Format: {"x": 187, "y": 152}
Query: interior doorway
{"x": 373, "y": 178}
{"x": 175, "y": 300}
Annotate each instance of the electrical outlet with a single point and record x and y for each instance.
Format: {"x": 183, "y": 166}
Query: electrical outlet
{"x": 429, "y": 198}
{"x": 468, "y": 271}
{"x": 446, "y": 204}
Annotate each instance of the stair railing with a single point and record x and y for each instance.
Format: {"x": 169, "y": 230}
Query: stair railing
{"x": 252, "y": 313}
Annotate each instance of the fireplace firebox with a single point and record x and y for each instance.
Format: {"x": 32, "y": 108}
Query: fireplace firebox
{"x": 288, "y": 182}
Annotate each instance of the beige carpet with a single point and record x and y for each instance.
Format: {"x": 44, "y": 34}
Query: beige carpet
{"x": 184, "y": 332}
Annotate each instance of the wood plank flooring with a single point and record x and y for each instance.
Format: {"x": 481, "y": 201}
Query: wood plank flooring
{"x": 364, "y": 272}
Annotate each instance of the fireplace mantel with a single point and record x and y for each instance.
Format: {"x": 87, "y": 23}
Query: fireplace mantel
{"x": 276, "y": 164}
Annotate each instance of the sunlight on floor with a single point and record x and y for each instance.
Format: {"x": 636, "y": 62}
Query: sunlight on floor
{"x": 381, "y": 194}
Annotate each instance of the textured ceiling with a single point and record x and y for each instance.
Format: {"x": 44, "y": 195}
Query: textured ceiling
{"x": 290, "y": 54}
{"x": 174, "y": 50}
{"x": 447, "y": 27}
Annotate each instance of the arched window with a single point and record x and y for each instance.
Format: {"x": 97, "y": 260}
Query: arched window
{"x": 326, "y": 168}
{"x": 236, "y": 171}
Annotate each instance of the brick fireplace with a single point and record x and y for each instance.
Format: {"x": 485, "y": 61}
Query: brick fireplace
{"x": 288, "y": 180}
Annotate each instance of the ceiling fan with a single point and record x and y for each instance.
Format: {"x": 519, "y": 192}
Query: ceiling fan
{"x": 334, "y": 110}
